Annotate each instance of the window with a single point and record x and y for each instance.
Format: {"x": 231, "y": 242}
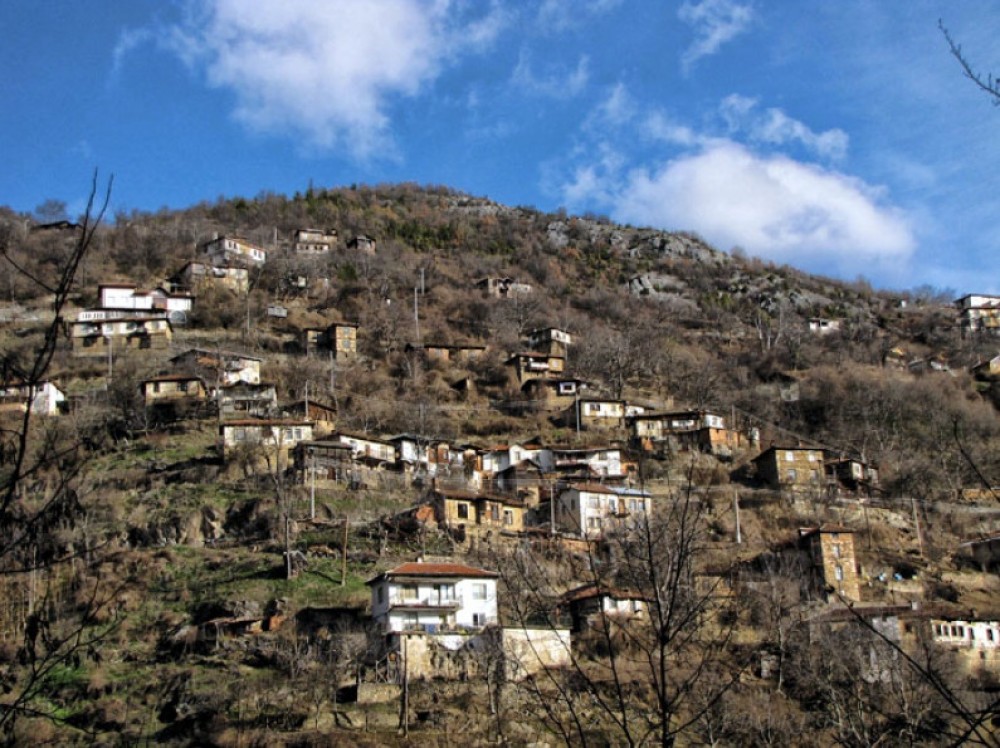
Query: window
{"x": 508, "y": 517}
{"x": 594, "y": 502}
{"x": 593, "y": 523}
{"x": 836, "y": 550}
{"x": 789, "y": 457}
{"x": 839, "y": 573}
{"x": 479, "y": 591}
{"x": 811, "y": 457}
{"x": 494, "y": 513}
{"x": 989, "y": 635}
{"x": 478, "y": 619}
{"x": 463, "y": 511}
{"x": 792, "y": 474}
{"x": 408, "y": 592}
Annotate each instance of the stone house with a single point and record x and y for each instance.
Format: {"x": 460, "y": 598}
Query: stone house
{"x": 195, "y": 276}
{"x": 361, "y": 243}
{"x": 595, "y": 413}
{"x": 460, "y": 353}
{"x": 590, "y": 601}
{"x": 850, "y": 475}
{"x": 530, "y": 365}
{"x": 550, "y": 340}
{"x": 477, "y": 514}
{"x": 174, "y": 388}
{"x": 791, "y": 468}
{"x": 556, "y": 393}
{"x": 831, "y": 551}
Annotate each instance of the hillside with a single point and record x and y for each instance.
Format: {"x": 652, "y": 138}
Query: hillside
{"x": 171, "y": 576}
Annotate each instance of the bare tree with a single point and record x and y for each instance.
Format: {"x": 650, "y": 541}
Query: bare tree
{"x": 989, "y": 83}
{"x": 41, "y": 466}
{"x": 647, "y": 678}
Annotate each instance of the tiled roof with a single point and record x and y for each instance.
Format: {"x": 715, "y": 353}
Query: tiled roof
{"x": 421, "y": 569}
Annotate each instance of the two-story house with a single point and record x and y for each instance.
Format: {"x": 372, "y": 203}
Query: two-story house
{"x": 550, "y": 340}
{"x": 314, "y": 241}
{"x": 792, "y": 468}
{"x": 271, "y": 438}
{"x": 476, "y": 514}
{"x": 173, "y": 388}
{"x": 697, "y": 429}
{"x": 590, "y": 510}
{"x": 195, "y": 276}
{"x": 114, "y": 336}
{"x": 228, "y": 250}
{"x": 503, "y": 287}
{"x": 44, "y": 398}
{"x": 434, "y": 597}
{"x": 531, "y": 365}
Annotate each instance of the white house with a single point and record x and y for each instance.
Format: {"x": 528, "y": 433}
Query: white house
{"x": 588, "y": 510}
{"x": 128, "y": 297}
{"x": 223, "y": 250}
{"x": 434, "y": 598}
{"x": 219, "y": 367}
{"x": 275, "y": 436}
{"x": 979, "y": 312}
{"x": 43, "y": 399}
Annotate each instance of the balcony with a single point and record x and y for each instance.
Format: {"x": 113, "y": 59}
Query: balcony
{"x": 425, "y": 602}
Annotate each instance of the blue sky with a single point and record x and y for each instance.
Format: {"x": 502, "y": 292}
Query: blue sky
{"x": 838, "y": 136}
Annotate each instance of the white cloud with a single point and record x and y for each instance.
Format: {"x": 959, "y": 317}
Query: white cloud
{"x": 774, "y": 127}
{"x": 561, "y": 83}
{"x": 773, "y": 206}
{"x": 561, "y": 15}
{"x": 715, "y": 22}
{"x": 327, "y": 71}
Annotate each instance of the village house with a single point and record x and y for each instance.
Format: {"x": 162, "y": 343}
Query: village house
{"x": 226, "y": 250}
{"x": 339, "y": 337}
{"x": 461, "y": 353}
{"x": 114, "y": 336}
{"x": 699, "y": 429}
{"x": 590, "y": 510}
{"x": 525, "y": 366}
{"x": 831, "y": 551}
{"x": 979, "y": 313}
{"x": 195, "y": 276}
{"x": 503, "y": 287}
{"x": 368, "y": 450}
{"x": 553, "y": 393}
{"x": 983, "y": 551}
{"x": 219, "y": 367}
{"x": 43, "y": 399}
{"x": 434, "y": 597}
{"x": 473, "y": 514}
{"x": 989, "y": 369}
{"x": 588, "y": 603}
{"x": 848, "y": 475}
{"x": 173, "y": 388}
{"x": 314, "y": 241}
{"x": 597, "y": 413}
{"x": 972, "y": 639}
{"x": 271, "y": 438}
{"x": 550, "y": 340}
{"x": 421, "y": 454}
{"x": 823, "y": 326}
{"x": 127, "y": 297}
{"x": 247, "y": 400}
{"x": 323, "y": 416}
{"x": 362, "y": 244}
{"x": 791, "y": 468}
{"x": 323, "y": 460}
{"x": 603, "y": 462}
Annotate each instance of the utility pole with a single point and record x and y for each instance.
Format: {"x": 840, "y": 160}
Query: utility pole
{"x": 312, "y": 484}
{"x": 343, "y": 555}
{"x": 736, "y": 506}
{"x": 416, "y": 313}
